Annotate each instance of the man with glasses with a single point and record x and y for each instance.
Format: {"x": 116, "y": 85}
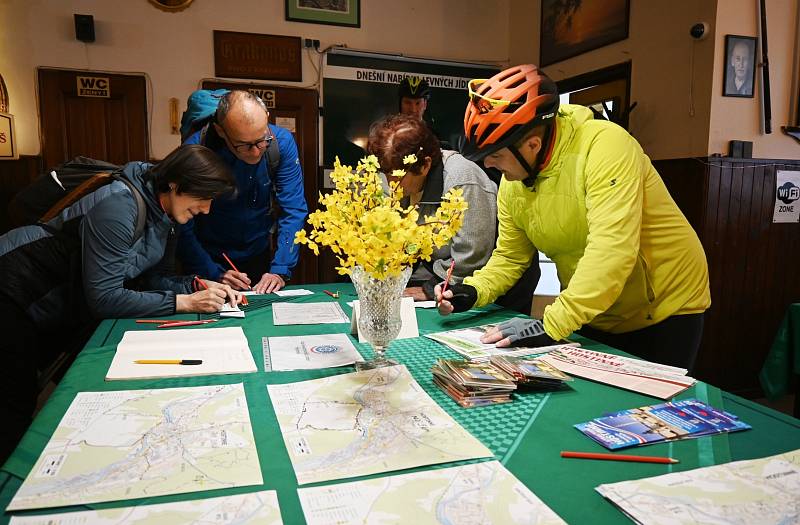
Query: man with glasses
{"x": 633, "y": 272}
{"x": 232, "y": 243}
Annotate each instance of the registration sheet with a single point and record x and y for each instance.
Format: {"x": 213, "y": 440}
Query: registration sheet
{"x": 307, "y": 352}
{"x": 221, "y": 350}
{"x": 308, "y": 313}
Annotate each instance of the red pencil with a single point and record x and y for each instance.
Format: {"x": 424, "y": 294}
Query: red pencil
{"x": 153, "y": 321}
{"x": 203, "y": 284}
{"x": 235, "y": 269}
{"x": 449, "y": 274}
{"x": 184, "y": 323}
{"x": 200, "y": 282}
{"x": 616, "y": 457}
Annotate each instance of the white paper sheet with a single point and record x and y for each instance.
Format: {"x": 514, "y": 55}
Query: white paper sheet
{"x": 408, "y": 316}
{"x": 307, "y": 352}
{"x": 293, "y": 293}
{"x": 308, "y": 313}
{"x": 222, "y": 350}
{"x": 231, "y": 311}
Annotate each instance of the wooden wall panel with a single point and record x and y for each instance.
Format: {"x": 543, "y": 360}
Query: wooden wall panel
{"x": 752, "y": 262}
{"x": 15, "y": 175}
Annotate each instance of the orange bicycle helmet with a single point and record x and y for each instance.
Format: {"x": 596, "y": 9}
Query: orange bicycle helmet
{"x": 505, "y": 107}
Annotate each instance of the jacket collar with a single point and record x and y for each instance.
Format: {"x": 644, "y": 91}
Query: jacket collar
{"x": 434, "y": 183}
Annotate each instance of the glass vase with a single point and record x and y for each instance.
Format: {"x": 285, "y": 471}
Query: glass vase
{"x": 379, "y": 312}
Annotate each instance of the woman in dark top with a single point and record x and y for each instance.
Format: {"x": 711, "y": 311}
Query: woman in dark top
{"x": 88, "y": 263}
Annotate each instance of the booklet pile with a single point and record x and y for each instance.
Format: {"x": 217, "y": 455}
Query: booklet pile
{"x": 473, "y": 384}
{"x": 687, "y": 418}
{"x": 531, "y": 372}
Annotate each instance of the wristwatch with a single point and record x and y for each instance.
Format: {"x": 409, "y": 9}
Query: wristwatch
{"x": 285, "y": 277}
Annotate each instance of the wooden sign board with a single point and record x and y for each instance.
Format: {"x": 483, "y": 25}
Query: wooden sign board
{"x": 253, "y": 55}
{"x": 94, "y": 87}
{"x": 8, "y": 141}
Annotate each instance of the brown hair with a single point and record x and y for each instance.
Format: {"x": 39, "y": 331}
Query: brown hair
{"x": 395, "y": 136}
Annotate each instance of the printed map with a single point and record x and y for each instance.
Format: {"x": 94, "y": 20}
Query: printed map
{"x": 242, "y": 509}
{"x": 477, "y": 494}
{"x": 764, "y": 491}
{"x": 140, "y": 443}
{"x": 366, "y": 423}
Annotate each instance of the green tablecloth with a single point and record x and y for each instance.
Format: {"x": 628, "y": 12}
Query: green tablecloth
{"x": 783, "y": 361}
{"x": 526, "y": 435}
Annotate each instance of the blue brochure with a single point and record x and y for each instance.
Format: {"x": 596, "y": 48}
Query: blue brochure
{"x": 656, "y": 423}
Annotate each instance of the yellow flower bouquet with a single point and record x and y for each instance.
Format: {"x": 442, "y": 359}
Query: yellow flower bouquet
{"x": 366, "y": 226}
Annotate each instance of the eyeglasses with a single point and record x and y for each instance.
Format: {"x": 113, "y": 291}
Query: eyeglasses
{"x": 245, "y": 147}
{"x": 483, "y": 103}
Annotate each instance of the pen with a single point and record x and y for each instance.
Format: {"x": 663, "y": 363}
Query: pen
{"x": 171, "y": 324}
{"x": 449, "y": 275}
{"x": 616, "y": 457}
{"x": 334, "y": 295}
{"x": 233, "y": 267}
{"x": 169, "y": 361}
{"x": 153, "y": 321}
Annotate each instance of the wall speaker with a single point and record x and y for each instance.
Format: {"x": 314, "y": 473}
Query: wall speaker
{"x": 84, "y": 28}
{"x": 740, "y": 149}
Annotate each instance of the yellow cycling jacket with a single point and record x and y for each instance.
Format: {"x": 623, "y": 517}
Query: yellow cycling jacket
{"x": 626, "y": 256}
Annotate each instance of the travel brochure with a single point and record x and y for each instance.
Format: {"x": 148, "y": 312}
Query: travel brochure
{"x": 653, "y": 379}
{"x": 687, "y": 418}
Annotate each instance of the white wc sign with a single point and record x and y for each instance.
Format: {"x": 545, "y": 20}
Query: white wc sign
{"x": 787, "y": 196}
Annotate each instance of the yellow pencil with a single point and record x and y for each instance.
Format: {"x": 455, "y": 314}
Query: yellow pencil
{"x": 168, "y": 362}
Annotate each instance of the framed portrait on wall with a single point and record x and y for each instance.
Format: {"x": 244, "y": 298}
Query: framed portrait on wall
{"x": 740, "y": 70}
{"x": 572, "y": 28}
{"x": 331, "y": 12}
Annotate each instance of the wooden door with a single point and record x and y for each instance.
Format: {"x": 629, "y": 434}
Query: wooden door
{"x": 297, "y": 110}
{"x": 97, "y": 115}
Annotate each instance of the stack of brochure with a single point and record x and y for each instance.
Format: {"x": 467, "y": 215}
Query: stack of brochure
{"x": 473, "y": 384}
{"x": 531, "y": 372}
{"x": 688, "y": 418}
{"x": 624, "y": 372}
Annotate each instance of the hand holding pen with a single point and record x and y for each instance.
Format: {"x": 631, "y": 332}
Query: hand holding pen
{"x": 234, "y": 278}
{"x": 211, "y": 296}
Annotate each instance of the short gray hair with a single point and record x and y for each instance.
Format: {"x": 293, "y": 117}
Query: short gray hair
{"x": 235, "y": 97}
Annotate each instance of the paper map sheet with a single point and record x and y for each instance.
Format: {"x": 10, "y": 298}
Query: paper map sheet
{"x": 764, "y": 491}
{"x": 257, "y": 508}
{"x": 140, "y": 443}
{"x": 366, "y": 423}
{"x": 477, "y": 494}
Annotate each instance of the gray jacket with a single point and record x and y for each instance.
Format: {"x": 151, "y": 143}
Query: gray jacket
{"x": 473, "y": 244}
{"x": 85, "y": 260}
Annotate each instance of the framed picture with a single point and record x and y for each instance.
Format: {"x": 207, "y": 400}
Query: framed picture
{"x": 740, "y": 71}
{"x": 331, "y": 12}
{"x": 571, "y": 28}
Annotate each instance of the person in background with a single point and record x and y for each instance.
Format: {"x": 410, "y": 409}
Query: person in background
{"x": 433, "y": 174}
{"x": 242, "y": 228}
{"x": 632, "y": 270}
{"x": 87, "y": 264}
{"x": 413, "y": 96}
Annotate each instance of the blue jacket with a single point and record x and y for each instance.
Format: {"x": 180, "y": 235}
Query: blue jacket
{"x": 84, "y": 261}
{"x": 241, "y": 226}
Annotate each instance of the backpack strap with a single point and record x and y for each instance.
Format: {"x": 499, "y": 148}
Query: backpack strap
{"x": 273, "y": 156}
{"x": 141, "y": 210}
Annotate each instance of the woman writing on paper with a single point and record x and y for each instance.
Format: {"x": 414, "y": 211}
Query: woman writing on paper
{"x": 93, "y": 261}
{"x": 433, "y": 173}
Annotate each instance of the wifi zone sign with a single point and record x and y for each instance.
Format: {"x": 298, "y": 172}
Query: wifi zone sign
{"x": 94, "y": 87}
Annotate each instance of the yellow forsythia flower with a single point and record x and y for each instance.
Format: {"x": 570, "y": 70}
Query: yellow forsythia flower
{"x": 363, "y": 225}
